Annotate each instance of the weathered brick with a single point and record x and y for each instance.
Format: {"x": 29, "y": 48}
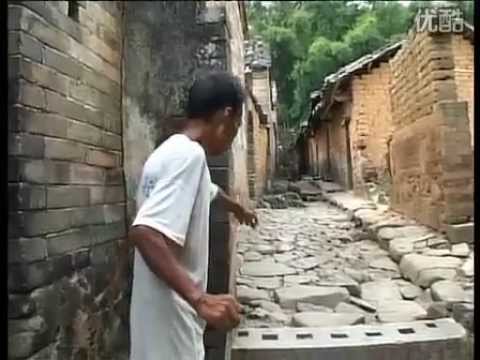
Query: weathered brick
{"x": 112, "y": 141}
{"x": 26, "y": 145}
{"x": 25, "y": 344}
{"x": 39, "y": 123}
{"x": 91, "y": 215}
{"x": 25, "y": 93}
{"x": 86, "y": 174}
{"x": 101, "y": 83}
{"x": 84, "y": 133}
{"x": 54, "y": 15}
{"x": 20, "y": 306}
{"x": 25, "y": 250}
{"x": 40, "y": 75}
{"x": 58, "y": 172}
{"x": 68, "y": 242}
{"x": 114, "y": 177}
{"x": 27, "y": 170}
{"x": 90, "y": 96}
{"x": 97, "y": 195}
{"x": 63, "y": 106}
{"x": 67, "y": 196}
{"x": 102, "y": 158}
{"x": 108, "y": 232}
{"x": 35, "y": 223}
{"x": 59, "y": 149}
{"x": 114, "y": 194}
{"x": 62, "y": 63}
{"x": 20, "y": 43}
{"x": 26, "y": 277}
{"x": 26, "y": 197}
{"x": 113, "y": 213}
{"x": 34, "y": 24}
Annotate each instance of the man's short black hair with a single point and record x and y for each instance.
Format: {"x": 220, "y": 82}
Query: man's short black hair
{"x": 212, "y": 92}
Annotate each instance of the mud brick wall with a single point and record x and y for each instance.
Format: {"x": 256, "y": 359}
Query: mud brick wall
{"x": 431, "y": 157}
{"x": 321, "y": 140}
{"x": 463, "y": 61}
{"x": 66, "y": 190}
{"x": 371, "y": 125}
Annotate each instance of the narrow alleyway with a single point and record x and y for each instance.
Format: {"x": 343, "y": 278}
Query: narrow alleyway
{"x": 316, "y": 266}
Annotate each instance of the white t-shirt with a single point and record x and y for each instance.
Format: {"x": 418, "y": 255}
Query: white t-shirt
{"x": 174, "y": 198}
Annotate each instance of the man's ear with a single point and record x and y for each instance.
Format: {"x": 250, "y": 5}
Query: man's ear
{"x": 228, "y": 112}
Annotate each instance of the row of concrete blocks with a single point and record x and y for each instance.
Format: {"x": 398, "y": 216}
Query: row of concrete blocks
{"x": 419, "y": 340}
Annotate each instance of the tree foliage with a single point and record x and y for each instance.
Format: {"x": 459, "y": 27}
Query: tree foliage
{"x": 311, "y": 39}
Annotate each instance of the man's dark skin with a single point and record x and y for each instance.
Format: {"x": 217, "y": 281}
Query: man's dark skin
{"x": 215, "y": 134}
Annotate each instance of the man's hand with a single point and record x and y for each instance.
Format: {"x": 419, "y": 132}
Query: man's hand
{"x": 220, "y": 311}
{"x": 245, "y": 216}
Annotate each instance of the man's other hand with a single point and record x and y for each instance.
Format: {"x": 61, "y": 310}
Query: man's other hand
{"x": 220, "y": 311}
{"x": 245, "y": 216}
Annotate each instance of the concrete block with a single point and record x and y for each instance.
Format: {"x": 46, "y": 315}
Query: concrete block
{"x": 461, "y": 233}
{"x": 428, "y": 340}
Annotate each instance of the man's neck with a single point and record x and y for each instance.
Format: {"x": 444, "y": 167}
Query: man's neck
{"x": 195, "y": 130}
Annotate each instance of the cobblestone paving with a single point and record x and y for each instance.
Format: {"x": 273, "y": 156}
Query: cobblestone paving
{"x": 313, "y": 266}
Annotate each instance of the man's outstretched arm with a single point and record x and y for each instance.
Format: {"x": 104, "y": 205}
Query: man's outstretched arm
{"x": 244, "y": 216}
{"x": 161, "y": 256}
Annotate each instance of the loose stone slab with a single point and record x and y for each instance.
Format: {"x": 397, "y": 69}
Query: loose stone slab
{"x": 437, "y": 252}
{"x": 282, "y": 248}
{"x": 460, "y": 250}
{"x": 448, "y": 291}
{"x": 328, "y": 296}
{"x": 461, "y": 233}
{"x": 400, "y": 247}
{"x": 390, "y": 233}
{"x": 246, "y": 294}
{"x": 424, "y": 270}
{"x": 265, "y": 249}
{"x": 306, "y": 307}
{"x": 321, "y": 319}
{"x": 305, "y": 263}
{"x": 410, "y": 292}
{"x": 384, "y": 263}
{"x": 268, "y": 283}
{"x": 437, "y": 310}
{"x": 252, "y": 256}
{"x": 266, "y": 268}
{"x": 380, "y": 291}
{"x": 348, "y": 308}
{"x": 299, "y": 279}
{"x": 399, "y": 311}
{"x": 467, "y": 268}
{"x": 266, "y": 305}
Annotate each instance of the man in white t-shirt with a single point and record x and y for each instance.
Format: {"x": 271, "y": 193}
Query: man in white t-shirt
{"x": 170, "y": 306}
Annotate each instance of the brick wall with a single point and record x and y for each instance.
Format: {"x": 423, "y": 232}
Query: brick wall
{"x": 321, "y": 142}
{"x": 370, "y": 126}
{"x": 66, "y": 193}
{"x": 463, "y": 60}
{"x": 431, "y": 157}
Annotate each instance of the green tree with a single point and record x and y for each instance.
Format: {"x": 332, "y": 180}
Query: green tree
{"x": 310, "y": 39}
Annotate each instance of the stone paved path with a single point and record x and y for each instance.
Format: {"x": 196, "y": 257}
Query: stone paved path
{"x": 314, "y": 266}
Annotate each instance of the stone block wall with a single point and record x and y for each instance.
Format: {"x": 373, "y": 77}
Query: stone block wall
{"x": 463, "y": 60}
{"x": 431, "y": 157}
{"x": 66, "y": 189}
{"x": 371, "y": 126}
